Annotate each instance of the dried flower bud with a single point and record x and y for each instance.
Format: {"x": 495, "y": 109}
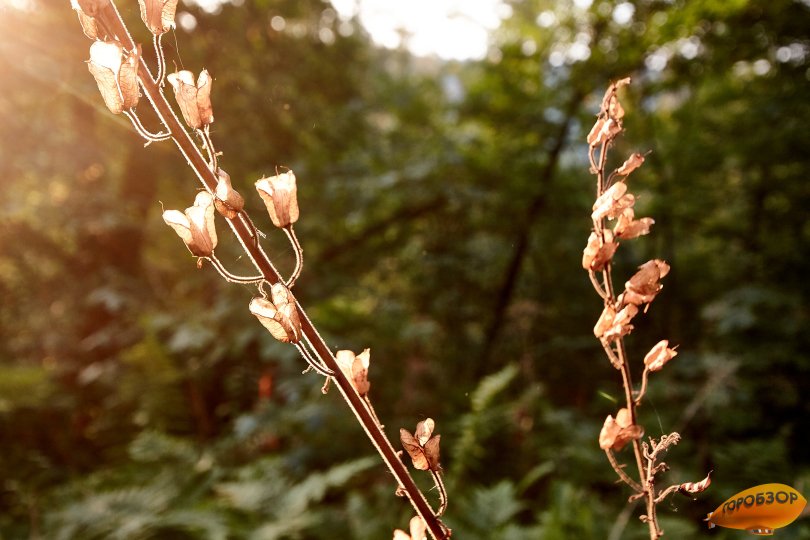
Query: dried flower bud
{"x": 616, "y": 433}
{"x": 279, "y": 194}
{"x": 692, "y": 488}
{"x": 422, "y": 446}
{"x": 659, "y": 355}
{"x": 645, "y": 284}
{"x": 193, "y": 99}
{"x": 597, "y": 253}
{"x": 195, "y": 226}
{"x": 279, "y": 316}
{"x": 418, "y": 530}
{"x": 627, "y": 227}
{"x": 158, "y": 15}
{"x": 631, "y": 164}
{"x": 228, "y": 202}
{"x": 356, "y": 369}
{"x": 116, "y": 74}
{"x": 612, "y": 202}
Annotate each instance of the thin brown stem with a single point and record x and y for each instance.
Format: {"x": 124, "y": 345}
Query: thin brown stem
{"x": 620, "y": 472}
{"x": 111, "y": 20}
{"x": 299, "y": 255}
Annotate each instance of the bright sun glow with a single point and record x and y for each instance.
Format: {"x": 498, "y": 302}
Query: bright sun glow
{"x": 451, "y": 29}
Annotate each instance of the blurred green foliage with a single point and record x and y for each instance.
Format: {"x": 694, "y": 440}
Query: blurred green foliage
{"x": 444, "y": 209}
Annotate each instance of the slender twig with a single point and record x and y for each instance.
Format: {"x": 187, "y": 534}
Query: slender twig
{"x": 299, "y": 255}
{"x": 217, "y": 264}
{"x": 620, "y": 471}
{"x": 643, "y": 389}
{"x": 313, "y": 364}
{"x": 437, "y": 479}
{"x": 161, "y": 59}
{"x": 111, "y": 20}
{"x": 143, "y": 132}
{"x": 596, "y": 285}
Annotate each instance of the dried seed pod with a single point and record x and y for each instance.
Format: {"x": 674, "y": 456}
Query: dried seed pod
{"x": 597, "y": 253}
{"x": 158, "y": 15}
{"x": 422, "y": 446}
{"x": 280, "y": 315}
{"x": 279, "y": 194}
{"x": 659, "y": 355}
{"x": 627, "y": 227}
{"x": 612, "y": 202}
{"x": 194, "y": 99}
{"x": 196, "y": 226}
{"x": 631, "y": 164}
{"x": 620, "y": 325}
{"x": 116, "y": 74}
{"x": 418, "y": 530}
{"x": 645, "y": 284}
{"x": 616, "y": 433}
{"x": 355, "y": 367}
{"x": 87, "y": 11}
{"x": 228, "y": 202}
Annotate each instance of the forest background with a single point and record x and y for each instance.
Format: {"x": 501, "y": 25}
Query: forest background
{"x": 445, "y": 206}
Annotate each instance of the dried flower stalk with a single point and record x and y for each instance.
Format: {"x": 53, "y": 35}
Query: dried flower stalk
{"x": 614, "y": 202}
{"x": 281, "y": 314}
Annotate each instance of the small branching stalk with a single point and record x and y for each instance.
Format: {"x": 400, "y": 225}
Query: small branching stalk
{"x": 614, "y": 221}
{"x": 122, "y": 73}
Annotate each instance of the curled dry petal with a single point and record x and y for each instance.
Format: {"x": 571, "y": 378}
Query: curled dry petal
{"x": 228, "y": 202}
{"x": 355, "y": 368}
{"x": 696, "y": 487}
{"x": 597, "y": 253}
{"x": 631, "y": 164}
{"x": 116, "y": 74}
{"x": 616, "y": 433}
{"x": 280, "y": 196}
{"x": 422, "y": 446}
{"x": 196, "y": 226}
{"x": 659, "y": 355}
{"x": 193, "y": 99}
{"x": 158, "y": 15}
{"x": 280, "y": 316}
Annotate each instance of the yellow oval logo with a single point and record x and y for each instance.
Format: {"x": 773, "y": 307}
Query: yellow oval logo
{"x": 759, "y": 510}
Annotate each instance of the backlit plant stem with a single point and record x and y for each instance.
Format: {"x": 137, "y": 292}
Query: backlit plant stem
{"x": 110, "y": 19}
{"x": 619, "y": 355}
